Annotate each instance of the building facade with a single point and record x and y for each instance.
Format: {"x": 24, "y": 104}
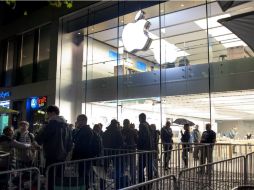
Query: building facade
{"x": 109, "y": 60}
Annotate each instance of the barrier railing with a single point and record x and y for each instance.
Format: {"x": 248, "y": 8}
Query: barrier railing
{"x": 26, "y": 158}
{"x": 107, "y": 172}
{"x": 225, "y": 174}
{"x": 163, "y": 183}
{"x": 249, "y": 170}
{"x": 27, "y": 178}
{"x": 173, "y": 161}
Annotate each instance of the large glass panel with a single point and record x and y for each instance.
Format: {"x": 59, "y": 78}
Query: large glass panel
{"x": 101, "y": 62}
{"x": 25, "y": 71}
{"x": 232, "y": 67}
{"x": 139, "y": 72}
{"x": 43, "y": 53}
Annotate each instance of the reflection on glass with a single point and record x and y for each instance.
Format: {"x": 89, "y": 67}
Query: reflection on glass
{"x": 43, "y": 53}
{"x": 9, "y": 63}
{"x": 26, "y": 62}
{"x": 188, "y": 67}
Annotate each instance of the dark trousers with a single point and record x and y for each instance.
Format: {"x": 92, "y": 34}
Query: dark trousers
{"x": 145, "y": 161}
{"x": 185, "y": 156}
{"x": 206, "y": 157}
{"x": 54, "y": 173}
{"x": 118, "y": 165}
{"x": 167, "y": 155}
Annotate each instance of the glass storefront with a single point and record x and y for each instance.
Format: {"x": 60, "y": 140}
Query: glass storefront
{"x": 169, "y": 60}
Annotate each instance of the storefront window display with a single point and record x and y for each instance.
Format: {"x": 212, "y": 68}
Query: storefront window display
{"x": 169, "y": 60}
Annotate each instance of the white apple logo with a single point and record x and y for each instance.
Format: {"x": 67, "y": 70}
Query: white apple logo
{"x": 135, "y": 35}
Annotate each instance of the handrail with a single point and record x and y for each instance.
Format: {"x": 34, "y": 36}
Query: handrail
{"x": 151, "y": 182}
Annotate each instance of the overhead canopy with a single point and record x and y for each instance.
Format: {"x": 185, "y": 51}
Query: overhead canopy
{"x": 225, "y": 5}
{"x": 241, "y": 25}
{"x": 4, "y": 110}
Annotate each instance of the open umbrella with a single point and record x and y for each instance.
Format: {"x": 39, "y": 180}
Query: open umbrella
{"x": 4, "y": 110}
{"x": 182, "y": 121}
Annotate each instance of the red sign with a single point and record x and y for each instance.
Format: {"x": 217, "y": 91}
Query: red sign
{"x": 42, "y": 101}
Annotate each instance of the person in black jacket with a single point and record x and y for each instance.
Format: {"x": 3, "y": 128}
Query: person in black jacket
{"x": 209, "y": 138}
{"x": 87, "y": 144}
{"x": 112, "y": 139}
{"x": 167, "y": 141}
{"x": 56, "y": 138}
{"x": 145, "y": 143}
{"x": 186, "y": 147}
{"x": 130, "y": 137}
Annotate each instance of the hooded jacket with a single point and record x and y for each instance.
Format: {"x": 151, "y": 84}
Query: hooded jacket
{"x": 130, "y": 137}
{"x": 112, "y": 137}
{"x": 56, "y": 138}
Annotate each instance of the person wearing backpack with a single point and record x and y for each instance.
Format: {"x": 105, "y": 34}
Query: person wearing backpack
{"x": 56, "y": 138}
{"x": 24, "y": 157}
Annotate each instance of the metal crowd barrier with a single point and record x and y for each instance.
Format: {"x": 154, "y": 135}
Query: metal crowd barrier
{"x": 221, "y": 175}
{"x": 163, "y": 183}
{"x": 249, "y": 178}
{"x": 27, "y": 178}
{"x": 173, "y": 161}
{"x": 107, "y": 172}
{"x": 26, "y": 158}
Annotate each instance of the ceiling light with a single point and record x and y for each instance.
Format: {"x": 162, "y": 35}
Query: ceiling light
{"x": 234, "y": 44}
{"x": 163, "y": 30}
{"x": 212, "y": 21}
{"x": 182, "y": 5}
{"x": 79, "y": 33}
{"x": 219, "y": 32}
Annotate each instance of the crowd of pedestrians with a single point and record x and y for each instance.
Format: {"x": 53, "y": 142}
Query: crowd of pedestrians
{"x": 61, "y": 142}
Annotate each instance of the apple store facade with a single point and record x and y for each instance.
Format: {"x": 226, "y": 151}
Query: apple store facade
{"x": 170, "y": 59}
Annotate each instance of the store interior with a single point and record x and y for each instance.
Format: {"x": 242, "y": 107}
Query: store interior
{"x": 182, "y": 36}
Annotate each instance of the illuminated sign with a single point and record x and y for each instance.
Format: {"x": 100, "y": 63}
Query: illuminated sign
{"x": 135, "y": 35}
{"x": 5, "y": 104}
{"x": 5, "y": 94}
{"x": 38, "y": 102}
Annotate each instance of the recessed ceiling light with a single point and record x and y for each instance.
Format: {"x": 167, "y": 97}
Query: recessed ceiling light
{"x": 182, "y": 5}
{"x": 79, "y": 33}
{"x": 162, "y": 10}
{"x": 121, "y": 20}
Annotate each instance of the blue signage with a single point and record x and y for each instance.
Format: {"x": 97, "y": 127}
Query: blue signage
{"x": 5, "y": 94}
{"x": 141, "y": 65}
{"x": 36, "y": 102}
{"x": 112, "y": 55}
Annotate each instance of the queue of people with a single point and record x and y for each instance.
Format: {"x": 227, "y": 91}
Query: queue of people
{"x": 61, "y": 142}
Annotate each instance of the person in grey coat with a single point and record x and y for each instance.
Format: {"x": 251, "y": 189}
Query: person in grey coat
{"x": 196, "y": 140}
